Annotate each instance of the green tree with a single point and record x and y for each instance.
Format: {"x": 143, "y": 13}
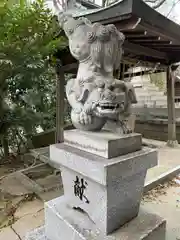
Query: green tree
{"x": 27, "y": 80}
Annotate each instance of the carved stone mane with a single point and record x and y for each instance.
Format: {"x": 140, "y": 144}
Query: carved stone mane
{"x": 103, "y": 41}
{"x": 106, "y": 46}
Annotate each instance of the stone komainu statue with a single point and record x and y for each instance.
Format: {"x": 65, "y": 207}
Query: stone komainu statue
{"x": 95, "y": 95}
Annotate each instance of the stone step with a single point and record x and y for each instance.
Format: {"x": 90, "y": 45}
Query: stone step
{"x": 144, "y": 78}
{"x": 146, "y": 93}
{"x": 151, "y": 88}
{"x": 151, "y": 106}
{"x": 149, "y": 92}
{"x": 157, "y": 111}
{"x": 146, "y": 82}
{"x": 143, "y": 83}
{"x": 152, "y": 98}
{"x": 151, "y": 103}
{"x": 148, "y": 88}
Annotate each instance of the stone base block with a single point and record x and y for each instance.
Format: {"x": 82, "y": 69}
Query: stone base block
{"x": 37, "y": 234}
{"x": 108, "y": 190}
{"x": 63, "y": 223}
{"x": 105, "y": 143}
{"x": 172, "y": 143}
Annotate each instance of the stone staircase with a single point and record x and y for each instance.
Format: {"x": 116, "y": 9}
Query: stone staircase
{"x": 151, "y": 100}
{"x": 148, "y": 94}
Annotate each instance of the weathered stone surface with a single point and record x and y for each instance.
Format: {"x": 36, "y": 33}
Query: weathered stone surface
{"x": 112, "y": 187}
{"x": 50, "y": 182}
{"x": 109, "y": 207}
{"x": 28, "y": 223}
{"x": 8, "y": 234}
{"x": 37, "y": 234}
{"x": 104, "y": 143}
{"x": 14, "y": 185}
{"x": 114, "y": 128}
{"x": 47, "y": 196}
{"x": 9, "y": 206}
{"x": 95, "y": 167}
{"x": 39, "y": 171}
{"x": 64, "y": 223}
{"x": 95, "y": 95}
{"x": 18, "y": 184}
{"x": 29, "y": 208}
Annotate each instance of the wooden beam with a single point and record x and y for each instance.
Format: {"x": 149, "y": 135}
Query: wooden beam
{"x": 125, "y": 23}
{"x": 154, "y": 43}
{"x": 156, "y": 22}
{"x": 165, "y": 34}
{"x": 168, "y": 47}
{"x": 60, "y": 82}
{"x": 171, "y": 108}
{"x": 141, "y": 50}
{"x": 144, "y": 39}
{"x": 135, "y": 33}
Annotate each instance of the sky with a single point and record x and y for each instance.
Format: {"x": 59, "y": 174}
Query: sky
{"x": 168, "y": 6}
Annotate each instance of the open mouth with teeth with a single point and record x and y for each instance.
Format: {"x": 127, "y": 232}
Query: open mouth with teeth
{"x": 108, "y": 109}
{"x": 108, "y": 106}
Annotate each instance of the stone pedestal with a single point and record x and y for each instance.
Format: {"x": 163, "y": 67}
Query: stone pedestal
{"x": 111, "y": 188}
{"x": 105, "y": 143}
{"x": 102, "y": 188}
{"x": 62, "y": 222}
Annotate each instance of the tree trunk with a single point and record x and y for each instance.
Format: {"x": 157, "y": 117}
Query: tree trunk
{"x": 5, "y": 145}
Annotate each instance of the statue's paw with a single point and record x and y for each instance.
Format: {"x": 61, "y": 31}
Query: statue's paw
{"x": 88, "y": 110}
{"x": 127, "y": 131}
{"x": 125, "y": 128}
{"x": 85, "y": 119}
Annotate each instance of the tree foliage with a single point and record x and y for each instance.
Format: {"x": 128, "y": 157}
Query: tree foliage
{"x": 27, "y": 81}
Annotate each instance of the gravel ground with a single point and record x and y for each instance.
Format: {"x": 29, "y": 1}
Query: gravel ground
{"x": 165, "y": 201}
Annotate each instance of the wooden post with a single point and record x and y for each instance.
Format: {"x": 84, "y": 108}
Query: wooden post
{"x": 172, "y": 142}
{"x": 123, "y": 70}
{"x": 59, "y": 136}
